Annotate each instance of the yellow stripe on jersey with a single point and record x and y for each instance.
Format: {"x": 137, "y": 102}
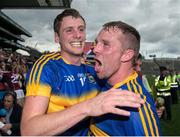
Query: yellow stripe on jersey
{"x": 30, "y": 77}
{"x": 145, "y": 108}
{"x": 133, "y": 76}
{"x": 154, "y": 121}
{"x": 36, "y": 89}
{"x": 61, "y": 102}
{"x": 67, "y": 62}
{"x": 59, "y": 57}
{"x": 148, "y": 115}
{"x": 42, "y": 65}
{"x": 140, "y": 113}
{"x": 35, "y": 67}
{"x": 96, "y": 131}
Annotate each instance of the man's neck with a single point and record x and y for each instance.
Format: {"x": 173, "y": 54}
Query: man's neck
{"x": 122, "y": 74}
{"x": 72, "y": 59}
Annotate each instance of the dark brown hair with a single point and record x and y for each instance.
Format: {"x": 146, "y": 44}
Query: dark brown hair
{"x": 11, "y": 93}
{"x": 67, "y": 12}
{"x": 132, "y": 36}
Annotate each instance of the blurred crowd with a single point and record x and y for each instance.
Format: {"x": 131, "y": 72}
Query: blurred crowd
{"x": 164, "y": 88}
{"x": 167, "y": 89}
{"x": 13, "y": 68}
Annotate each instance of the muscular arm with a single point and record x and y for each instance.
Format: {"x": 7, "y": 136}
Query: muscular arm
{"x": 35, "y": 121}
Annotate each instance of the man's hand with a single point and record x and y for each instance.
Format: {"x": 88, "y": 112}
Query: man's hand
{"x": 107, "y": 102}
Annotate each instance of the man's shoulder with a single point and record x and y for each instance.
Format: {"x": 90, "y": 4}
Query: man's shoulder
{"x": 45, "y": 58}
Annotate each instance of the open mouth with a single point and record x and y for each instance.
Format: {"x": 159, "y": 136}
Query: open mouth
{"x": 76, "y": 44}
{"x": 98, "y": 65}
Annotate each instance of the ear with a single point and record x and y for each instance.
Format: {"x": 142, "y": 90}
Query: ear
{"x": 127, "y": 55}
{"x": 56, "y": 37}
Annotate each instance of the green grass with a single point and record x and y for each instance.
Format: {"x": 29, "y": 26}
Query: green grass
{"x": 168, "y": 127}
{"x": 172, "y": 127}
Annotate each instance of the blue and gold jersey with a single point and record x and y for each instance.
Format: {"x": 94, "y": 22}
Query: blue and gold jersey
{"x": 64, "y": 84}
{"x": 142, "y": 122}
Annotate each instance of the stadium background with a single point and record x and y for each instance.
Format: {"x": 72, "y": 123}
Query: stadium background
{"x": 11, "y": 33}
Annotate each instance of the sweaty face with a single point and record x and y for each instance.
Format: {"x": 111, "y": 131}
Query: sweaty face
{"x": 8, "y": 102}
{"x": 72, "y": 35}
{"x": 108, "y": 52}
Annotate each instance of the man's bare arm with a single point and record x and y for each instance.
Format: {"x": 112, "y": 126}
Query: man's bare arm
{"x": 35, "y": 121}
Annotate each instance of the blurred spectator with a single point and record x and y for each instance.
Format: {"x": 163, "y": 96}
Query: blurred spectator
{"x": 162, "y": 83}
{"x": 138, "y": 64}
{"x": 159, "y": 101}
{"x": 2, "y": 84}
{"x": 13, "y": 68}
{"x": 160, "y": 108}
{"x": 12, "y": 79}
{"x": 174, "y": 87}
{"x": 3, "y": 66}
{"x": 178, "y": 80}
{"x": 10, "y": 114}
{"x": 138, "y": 68}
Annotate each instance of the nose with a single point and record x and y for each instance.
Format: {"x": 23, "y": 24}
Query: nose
{"x": 97, "y": 48}
{"x": 77, "y": 34}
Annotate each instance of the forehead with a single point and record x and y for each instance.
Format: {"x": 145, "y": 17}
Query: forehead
{"x": 111, "y": 34}
{"x": 8, "y": 97}
{"x": 71, "y": 21}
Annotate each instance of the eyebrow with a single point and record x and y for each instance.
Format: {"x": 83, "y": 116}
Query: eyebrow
{"x": 70, "y": 27}
{"x": 105, "y": 41}
{"x": 82, "y": 26}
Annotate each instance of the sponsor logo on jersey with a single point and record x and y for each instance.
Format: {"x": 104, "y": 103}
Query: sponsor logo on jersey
{"x": 91, "y": 78}
{"x": 69, "y": 78}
